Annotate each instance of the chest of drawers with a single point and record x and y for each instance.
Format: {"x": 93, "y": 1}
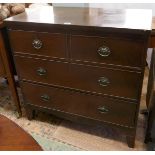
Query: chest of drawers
{"x": 82, "y": 64}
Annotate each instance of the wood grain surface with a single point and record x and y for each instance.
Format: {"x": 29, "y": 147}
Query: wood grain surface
{"x": 14, "y": 138}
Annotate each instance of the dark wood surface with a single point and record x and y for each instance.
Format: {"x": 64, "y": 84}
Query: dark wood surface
{"x": 120, "y": 50}
{"x": 6, "y": 67}
{"x": 88, "y": 46}
{"x": 124, "y": 84}
{"x": 95, "y": 17}
{"x": 2, "y": 69}
{"x": 53, "y": 45}
{"x": 75, "y": 65}
{"x": 14, "y": 138}
{"x": 90, "y": 107}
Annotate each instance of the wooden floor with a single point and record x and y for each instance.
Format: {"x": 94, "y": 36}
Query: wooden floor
{"x": 14, "y": 138}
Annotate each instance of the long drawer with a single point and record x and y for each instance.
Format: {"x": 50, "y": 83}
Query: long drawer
{"x": 94, "y": 107}
{"x": 92, "y": 49}
{"x": 101, "y": 50}
{"x": 39, "y": 43}
{"x": 86, "y": 78}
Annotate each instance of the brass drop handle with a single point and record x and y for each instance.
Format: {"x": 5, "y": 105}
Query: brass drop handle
{"x": 37, "y": 44}
{"x": 41, "y": 71}
{"x": 103, "y": 81}
{"x": 104, "y": 51}
{"x": 45, "y": 97}
{"x": 103, "y": 109}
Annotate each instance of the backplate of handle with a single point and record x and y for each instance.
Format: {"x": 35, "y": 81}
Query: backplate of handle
{"x": 103, "y": 81}
{"x": 37, "y": 44}
{"x": 45, "y": 97}
{"x": 103, "y": 109}
{"x": 41, "y": 71}
{"x": 104, "y": 51}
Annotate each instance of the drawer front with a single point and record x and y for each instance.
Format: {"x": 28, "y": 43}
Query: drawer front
{"x": 107, "y": 50}
{"x": 46, "y": 44}
{"x": 95, "y": 107}
{"x": 87, "y": 78}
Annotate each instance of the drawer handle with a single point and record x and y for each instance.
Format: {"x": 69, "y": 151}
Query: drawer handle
{"x": 103, "y": 109}
{"x": 41, "y": 71}
{"x": 45, "y": 97}
{"x": 103, "y": 81}
{"x": 37, "y": 44}
{"x": 104, "y": 51}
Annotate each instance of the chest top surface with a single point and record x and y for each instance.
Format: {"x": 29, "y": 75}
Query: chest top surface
{"x": 138, "y": 19}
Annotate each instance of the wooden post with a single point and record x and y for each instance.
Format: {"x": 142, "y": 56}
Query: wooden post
{"x": 9, "y": 73}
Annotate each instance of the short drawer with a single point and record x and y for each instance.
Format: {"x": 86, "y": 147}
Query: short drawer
{"x": 86, "y": 78}
{"x": 38, "y": 43}
{"x": 117, "y": 51}
{"x": 94, "y": 107}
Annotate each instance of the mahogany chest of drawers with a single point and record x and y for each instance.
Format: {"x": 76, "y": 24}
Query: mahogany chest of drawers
{"x": 82, "y": 64}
